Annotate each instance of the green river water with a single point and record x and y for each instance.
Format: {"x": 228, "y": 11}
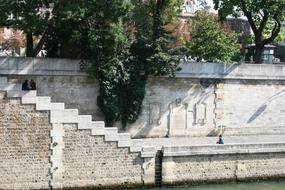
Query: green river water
{"x": 271, "y": 185}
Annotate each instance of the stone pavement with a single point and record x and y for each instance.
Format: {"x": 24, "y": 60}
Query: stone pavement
{"x": 196, "y": 141}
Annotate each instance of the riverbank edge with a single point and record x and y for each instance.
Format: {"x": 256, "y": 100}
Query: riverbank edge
{"x": 224, "y": 181}
{"x": 181, "y": 183}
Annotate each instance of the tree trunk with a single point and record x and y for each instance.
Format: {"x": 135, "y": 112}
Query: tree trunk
{"x": 258, "y": 55}
{"x": 259, "y": 47}
{"x": 157, "y": 23}
{"x": 29, "y": 44}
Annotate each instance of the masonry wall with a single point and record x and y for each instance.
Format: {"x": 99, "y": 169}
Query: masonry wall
{"x": 75, "y": 91}
{"x": 174, "y": 106}
{"x": 182, "y": 106}
{"x": 252, "y": 103}
{"x": 24, "y": 146}
{"x": 199, "y": 168}
{"x": 245, "y": 98}
{"x": 90, "y": 161}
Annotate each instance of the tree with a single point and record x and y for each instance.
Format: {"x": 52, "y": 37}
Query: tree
{"x": 123, "y": 47}
{"x": 211, "y": 40}
{"x": 32, "y": 17}
{"x": 259, "y": 14}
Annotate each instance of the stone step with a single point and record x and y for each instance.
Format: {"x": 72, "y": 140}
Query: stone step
{"x": 84, "y": 122}
{"x": 111, "y": 134}
{"x": 43, "y": 103}
{"x": 57, "y": 106}
{"x": 21, "y": 93}
{"x": 136, "y": 145}
{"x": 64, "y": 116}
{"x": 60, "y": 115}
{"x": 98, "y": 131}
{"x": 124, "y": 140}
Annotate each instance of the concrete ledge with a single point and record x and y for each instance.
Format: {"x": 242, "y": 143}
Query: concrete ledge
{"x": 136, "y": 145}
{"x": 41, "y": 66}
{"x": 148, "y": 152}
{"x": 169, "y": 151}
{"x": 231, "y": 71}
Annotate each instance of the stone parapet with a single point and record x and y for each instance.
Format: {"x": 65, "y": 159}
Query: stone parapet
{"x": 65, "y": 67}
{"x": 232, "y": 71}
{"x": 41, "y": 66}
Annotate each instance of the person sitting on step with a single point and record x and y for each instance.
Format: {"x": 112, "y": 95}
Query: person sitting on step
{"x": 25, "y": 85}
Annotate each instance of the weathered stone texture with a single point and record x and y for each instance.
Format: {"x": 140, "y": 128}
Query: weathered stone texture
{"x": 254, "y": 103}
{"x": 182, "y": 105}
{"x": 24, "y": 146}
{"x": 78, "y": 92}
{"x": 90, "y": 161}
{"x": 223, "y": 167}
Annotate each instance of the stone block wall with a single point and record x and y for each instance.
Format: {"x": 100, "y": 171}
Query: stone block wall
{"x": 234, "y": 167}
{"x": 197, "y": 107}
{"x": 90, "y": 161}
{"x": 253, "y": 103}
{"x": 35, "y": 154}
{"x": 76, "y": 91}
{"x": 24, "y": 146}
{"x": 174, "y": 107}
{"x": 247, "y": 97}
{"x": 182, "y": 106}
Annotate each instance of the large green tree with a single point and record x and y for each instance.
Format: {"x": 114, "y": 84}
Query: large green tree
{"x": 31, "y": 16}
{"x": 125, "y": 41}
{"x": 259, "y": 13}
{"x": 211, "y": 40}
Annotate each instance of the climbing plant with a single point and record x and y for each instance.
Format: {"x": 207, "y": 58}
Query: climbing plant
{"x": 141, "y": 50}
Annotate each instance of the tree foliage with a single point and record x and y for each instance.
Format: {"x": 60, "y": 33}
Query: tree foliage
{"x": 32, "y": 17}
{"x": 259, "y": 13}
{"x": 211, "y": 40}
{"x": 125, "y": 41}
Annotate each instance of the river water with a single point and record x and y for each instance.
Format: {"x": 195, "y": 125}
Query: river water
{"x": 271, "y": 185}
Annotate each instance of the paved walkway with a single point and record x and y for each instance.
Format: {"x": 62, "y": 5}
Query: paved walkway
{"x": 195, "y": 141}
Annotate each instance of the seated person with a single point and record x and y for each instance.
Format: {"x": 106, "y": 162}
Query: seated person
{"x": 32, "y": 85}
{"x": 25, "y": 85}
{"x": 221, "y": 140}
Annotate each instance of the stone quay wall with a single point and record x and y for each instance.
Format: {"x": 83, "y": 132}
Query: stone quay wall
{"x": 27, "y": 148}
{"x": 24, "y": 146}
{"x": 196, "y": 103}
{"x": 90, "y": 161}
{"x": 214, "y": 163}
{"x": 243, "y": 98}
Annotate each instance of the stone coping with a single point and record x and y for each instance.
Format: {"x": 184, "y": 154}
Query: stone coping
{"x": 41, "y": 66}
{"x": 232, "y": 71}
{"x": 175, "y": 151}
{"x": 73, "y": 67}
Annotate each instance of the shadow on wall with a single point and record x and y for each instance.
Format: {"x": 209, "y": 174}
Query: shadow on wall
{"x": 263, "y": 107}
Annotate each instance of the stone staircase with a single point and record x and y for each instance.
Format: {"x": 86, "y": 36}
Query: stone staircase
{"x": 60, "y": 116}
